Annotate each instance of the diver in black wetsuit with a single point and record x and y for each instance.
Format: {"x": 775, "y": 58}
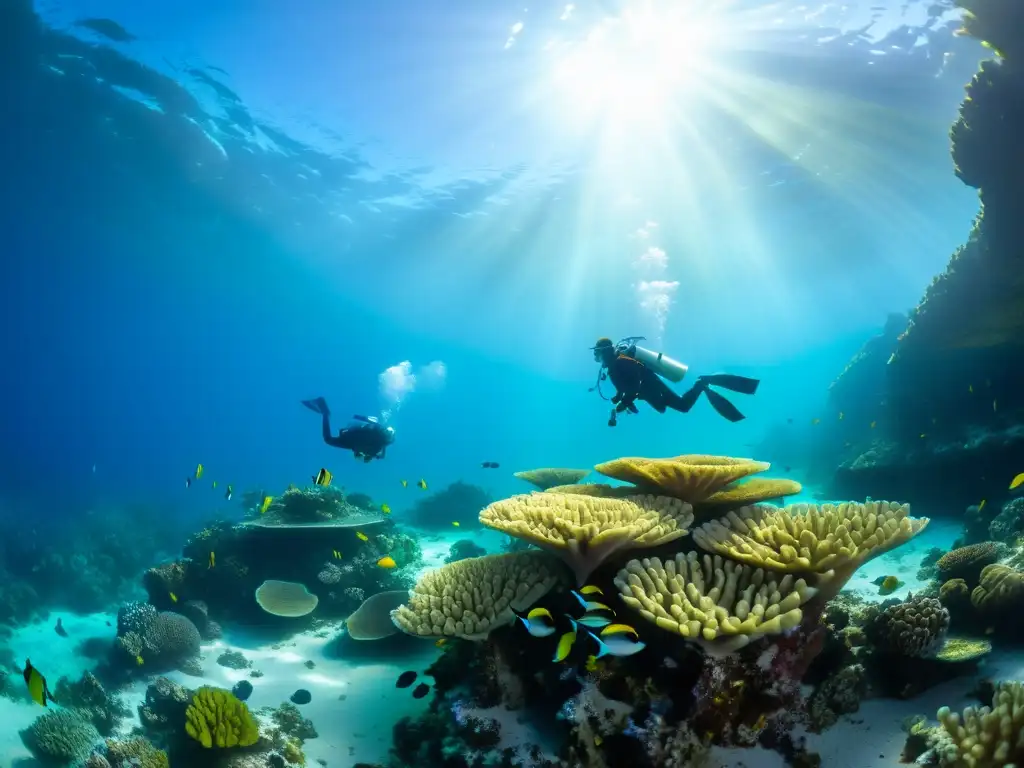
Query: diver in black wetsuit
{"x": 636, "y": 374}
{"x": 367, "y": 440}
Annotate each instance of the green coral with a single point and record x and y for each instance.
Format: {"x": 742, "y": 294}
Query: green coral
{"x": 216, "y": 718}
{"x": 60, "y": 736}
{"x": 136, "y": 752}
{"x": 291, "y": 722}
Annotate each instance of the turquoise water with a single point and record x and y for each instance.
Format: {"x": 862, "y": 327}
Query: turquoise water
{"x": 428, "y": 214}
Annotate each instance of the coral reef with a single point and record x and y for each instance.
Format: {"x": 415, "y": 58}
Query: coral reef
{"x": 989, "y": 737}
{"x": 549, "y": 477}
{"x": 60, "y": 736}
{"x": 91, "y": 701}
{"x": 915, "y": 627}
{"x": 469, "y": 598}
{"x": 967, "y": 562}
{"x": 216, "y": 718}
{"x": 586, "y": 530}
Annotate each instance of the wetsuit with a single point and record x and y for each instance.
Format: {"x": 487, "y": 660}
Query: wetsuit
{"x": 367, "y": 441}
{"x": 635, "y": 381}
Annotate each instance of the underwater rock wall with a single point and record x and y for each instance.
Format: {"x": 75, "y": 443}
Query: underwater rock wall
{"x": 951, "y": 422}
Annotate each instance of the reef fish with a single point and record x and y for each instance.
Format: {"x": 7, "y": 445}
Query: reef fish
{"x": 422, "y": 484}
{"x": 59, "y": 629}
{"x": 455, "y": 523}
{"x": 539, "y": 622}
{"x": 385, "y": 509}
{"x": 266, "y": 504}
{"x": 489, "y": 465}
{"x": 565, "y": 644}
{"x": 420, "y": 691}
{"x": 213, "y": 559}
{"x": 590, "y": 605}
{"x": 386, "y": 562}
{"x": 617, "y": 645}
{"x": 619, "y": 629}
{"x": 323, "y": 477}
{"x": 405, "y": 679}
{"x": 337, "y": 554}
{"x": 405, "y": 483}
{"x": 594, "y": 621}
{"x": 36, "y": 684}
{"x": 229, "y": 493}
{"x": 362, "y": 536}
{"x": 590, "y": 589}
{"x": 1016, "y": 482}
{"x": 199, "y": 472}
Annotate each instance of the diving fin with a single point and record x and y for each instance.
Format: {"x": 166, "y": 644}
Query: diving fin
{"x": 725, "y": 409}
{"x": 689, "y": 398}
{"x": 741, "y": 384}
{"x": 319, "y": 405}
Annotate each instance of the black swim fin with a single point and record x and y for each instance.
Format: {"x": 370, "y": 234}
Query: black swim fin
{"x": 725, "y": 409}
{"x": 319, "y": 405}
{"x": 732, "y": 382}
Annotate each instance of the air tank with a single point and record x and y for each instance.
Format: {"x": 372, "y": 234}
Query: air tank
{"x": 661, "y": 364}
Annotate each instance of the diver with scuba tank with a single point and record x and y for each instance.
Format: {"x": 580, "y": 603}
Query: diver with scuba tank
{"x": 368, "y": 439}
{"x": 638, "y": 373}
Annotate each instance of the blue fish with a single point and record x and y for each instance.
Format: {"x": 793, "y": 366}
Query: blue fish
{"x": 590, "y": 605}
{"x": 596, "y": 622}
{"x": 538, "y": 622}
{"x": 617, "y": 645}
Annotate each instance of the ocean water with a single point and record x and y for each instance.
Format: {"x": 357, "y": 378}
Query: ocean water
{"x": 428, "y": 214}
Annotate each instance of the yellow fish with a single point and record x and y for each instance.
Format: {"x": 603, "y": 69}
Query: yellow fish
{"x": 138, "y": 660}
{"x": 455, "y": 523}
{"x": 565, "y": 643}
{"x": 440, "y": 642}
{"x": 337, "y": 555}
{"x": 323, "y": 477}
{"x": 266, "y": 504}
{"x": 362, "y": 536}
{"x": 841, "y": 414}
{"x": 174, "y": 597}
{"x": 598, "y": 741}
{"x": 199, "y": 472}
{"x": 385, "y": 509}
{"x": 36, "y": 684}
{"x": 405, "y": 483}
{"x": 591, "y": 665}
{"x": 970, "y": 388}
{"x": 387, "y": 562}
{"x": 923, "y": 435}
{"x": 422, "y": 484}
{"x": 1015, "y": 483}
{"x": 873, "y": 424}
{"x": 981, "y": 506}
{"x": 213, "y": 559}
{"x": 815, "y": 421}
{"x": 215, "y": 484}
{"x": 590, "y": 589}
{"x": 619, "y": 629}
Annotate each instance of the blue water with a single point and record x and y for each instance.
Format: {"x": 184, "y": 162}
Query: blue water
{"x": 248, "y": 204}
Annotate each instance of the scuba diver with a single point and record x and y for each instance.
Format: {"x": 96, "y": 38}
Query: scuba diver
{"x": 368, "y": 440}
{"x": 637, "y": 374}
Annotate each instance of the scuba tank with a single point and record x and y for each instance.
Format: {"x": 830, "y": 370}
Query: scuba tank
{"x": 660, "y": 363}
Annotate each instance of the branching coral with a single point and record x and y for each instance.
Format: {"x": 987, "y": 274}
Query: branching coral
{"x": 550, "y": 477}
{"x": 720, "y": 604}
{"x": 831, "y": 541}
{"x": 989, "y": 737}
{"x": 470, "y": 598}
{"x": 586, "y": 530}
{"x": 60, "y": 736}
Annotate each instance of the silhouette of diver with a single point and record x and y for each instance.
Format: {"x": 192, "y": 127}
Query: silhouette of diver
{"x": 368, "y": 440}
{"x": 636, "y": 373}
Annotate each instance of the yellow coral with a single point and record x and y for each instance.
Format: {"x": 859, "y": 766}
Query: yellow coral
{"x": 1001, "y": 591}
{"x": 832, "y": 540}
{"x": 136, "y": 752}
{"x": 470, "y": 598}
{"x": 712, "y": 601}
{"x": 587, "y": 530}
{"x": 692, "y": 478}
{"x": 988, "y": 737}
{"x": 549, "y": 477}
{"x": 216, "y": 718}
{"x": 753, "y": 491}
{"x": 602, "y": 490}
